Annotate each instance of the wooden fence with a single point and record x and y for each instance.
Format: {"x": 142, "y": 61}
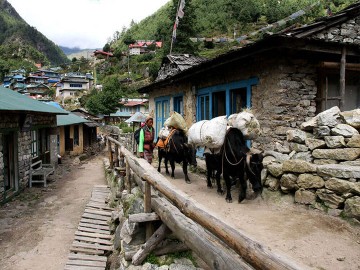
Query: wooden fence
{"x": 215, "y": 242}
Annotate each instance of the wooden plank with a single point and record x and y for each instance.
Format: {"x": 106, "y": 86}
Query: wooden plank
{"x": 86, "y": 263}
{"x": 93, "y": 240}
{"x": 93, "y": 230}
{"x": 94, "y": 221}
{"x": 94, "y": 235}
{"x": 86, "y": 251}
{"x": 98, "y": 212}
{"x": 97, "y": 200}
{"x": 94, "y": 226}
{"x": 95, "y": 217}
{"x": 92, "y": 246}
{"x": 99, "y": 206}
{"x": 73, "y": 256}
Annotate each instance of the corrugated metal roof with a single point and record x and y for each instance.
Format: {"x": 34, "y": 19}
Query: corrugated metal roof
{"x": 120, "y": 114}
{"x": 137, "y": 117}
{"x": 70, "y": 119}
{"x": 15, "y": 102}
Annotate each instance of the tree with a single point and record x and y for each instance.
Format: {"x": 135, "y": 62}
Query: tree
{"x": 185, "y": 29}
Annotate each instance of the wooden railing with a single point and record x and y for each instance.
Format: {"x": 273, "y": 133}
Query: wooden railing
{"x": 222, "y": 248}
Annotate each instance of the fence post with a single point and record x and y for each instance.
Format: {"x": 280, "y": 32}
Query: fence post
{"x": 127, "y": 178}
{"x": 147, "y": 209}
{"x": 110, "y": 155}
{"x": 122, "y": 170}
{"x": 116, "y": 155}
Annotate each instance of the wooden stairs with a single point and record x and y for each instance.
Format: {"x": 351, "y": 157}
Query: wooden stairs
{"x": 93, "y": 241}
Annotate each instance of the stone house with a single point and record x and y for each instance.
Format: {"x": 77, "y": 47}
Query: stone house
{"x": 27, "y": 131}
{"x": 286, "y": 79}
{"x": 71, "y": 138}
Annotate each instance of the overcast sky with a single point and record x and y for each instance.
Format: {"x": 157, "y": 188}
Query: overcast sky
{"x": 83, "y": 23}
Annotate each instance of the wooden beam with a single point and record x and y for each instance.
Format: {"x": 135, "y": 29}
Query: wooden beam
{"x": 150, "y": 244}
{"x": 143, "y": 217}
{"x": 342, "y": 78}
{"x": 335, "y": 65}
{"x": 252, "y": 251}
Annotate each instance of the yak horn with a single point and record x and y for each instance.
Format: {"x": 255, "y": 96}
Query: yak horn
{"x": 248, "y": 157}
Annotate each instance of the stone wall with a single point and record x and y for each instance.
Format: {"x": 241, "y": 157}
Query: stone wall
{"x": 320, "y": 164}
{"x": 11, "y": 123}
{"x": 1, "y": 168}
{"x": 348, "y": 32}
{"x": 24, "y": 158}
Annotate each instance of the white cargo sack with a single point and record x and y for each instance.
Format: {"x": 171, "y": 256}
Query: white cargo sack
{"x": 246, "y": 123}
{"x": 164, "y": 133}
{"x": 176, "y": 121}
{"x": 208, "y": 133}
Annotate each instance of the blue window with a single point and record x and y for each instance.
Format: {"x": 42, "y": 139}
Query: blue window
{"x": 179, "y": 104}
{"x": 224, "y": 99}
{"x": 162, "y": 112}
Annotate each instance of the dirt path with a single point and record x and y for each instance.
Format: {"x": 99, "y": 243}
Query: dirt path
{"x": 307, "y": 236}
{"x": 37, "y": 229}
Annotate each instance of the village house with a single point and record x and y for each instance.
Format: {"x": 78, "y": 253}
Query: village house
{"x": 27, "y": 132}
{"x": 285, "y": 78}
{"x": 142, "y": 46}
{"x": 72, "y": 135}
{"x": 74, "y": 84}
{"x": 133, "y": 105}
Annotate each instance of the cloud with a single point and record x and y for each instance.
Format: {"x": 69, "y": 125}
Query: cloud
{"x": 83, "y": 23}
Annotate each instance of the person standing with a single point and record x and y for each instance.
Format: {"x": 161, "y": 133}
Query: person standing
{"x": 146, "y": 140}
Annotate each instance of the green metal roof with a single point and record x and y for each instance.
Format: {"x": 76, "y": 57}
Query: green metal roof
{"x": 12, "y": 101}
{"x": 70, "y": 119}
{"x": 120, "y": 114}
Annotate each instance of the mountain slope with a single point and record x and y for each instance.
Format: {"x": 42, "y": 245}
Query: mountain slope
{"x": 19, "y": 42}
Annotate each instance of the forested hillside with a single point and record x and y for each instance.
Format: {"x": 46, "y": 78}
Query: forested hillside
{"x": 210, "y": 19}
{"x": 21, "y": 45}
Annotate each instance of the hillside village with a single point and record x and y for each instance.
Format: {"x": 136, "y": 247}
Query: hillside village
{"x": 301, "y": 84}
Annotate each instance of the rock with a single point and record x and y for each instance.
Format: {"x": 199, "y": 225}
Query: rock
{"x": 334, "y": 141}
{"x": 352, "y": 207}
{"x": 329, "y": 198}
{"x": 321, "y": 132}
{"x": 352, "y": 118}
{"x": 298, "y": 166}
{"x": 284, "y": 149}
{"x": 275, "y": 169}
{"x": 344, "y": 130}
{"x": 297, "y": 147}
{"x": 288, "y": 182}
{"x": 337, "y": 154}
{"x": 325, "y": 161}
{"x": 303, "y": 196}
{"x": 340, "y": 186}
{"x": 338, "y": 171}
{"x": 279, "y": 157}
{"x": 354, "y": 141}
{"x": 297, "y": 136}
{"x": 308, "y": 181}
{"x": 351, "y": 163}
{"x": 330, "y": 117}
{"x": 306, "y": 156}
{"x": 272, "y": 183}
{"x": 313, "y": 143}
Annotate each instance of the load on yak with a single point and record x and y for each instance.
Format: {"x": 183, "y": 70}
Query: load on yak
{"x": 173, "y": 145}
{"x": 226, "y": 151}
